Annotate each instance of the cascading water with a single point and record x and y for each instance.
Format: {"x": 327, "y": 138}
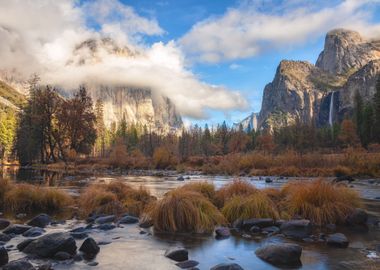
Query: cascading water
{"x": 331, "y": 109}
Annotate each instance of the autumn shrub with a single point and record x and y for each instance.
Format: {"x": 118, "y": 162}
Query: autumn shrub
{"x": 257, "y": 205}
{"x": 234, "y": 188}
{"x": 184, "y": 211}
{"x": 342, "y": 171}
{"x": 207, "y": 189}
{"x": 27, "y": 198}
{"x": 320, "y": 201}
{"x": 4, "y": 187}
{"x": 97, "y": 200}
{"x": 119, "y": 153}
{"x": 163, "y": 158}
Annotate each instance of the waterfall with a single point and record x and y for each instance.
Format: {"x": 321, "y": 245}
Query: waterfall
{"x": 331, "y": 109}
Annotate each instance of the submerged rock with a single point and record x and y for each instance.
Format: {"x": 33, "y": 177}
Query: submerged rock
{"x": 3, "y": 256}
{"x": 42, "y": 220}
{"x": 128, "y": 220}
{"x": 4, "y": 237}
{"x": 337, "y": 240}
{"x": 271, "y": 230}
{"x": 177, "y": 254}
{"x": 16, "y": 229}
{"x": 106, "y": 219}
{"x": 227, "y": 266}
{"x": 4, "y": 223}
{"x": 298, "y": 229}
{"x": 34, "y": 232}
{"x": 259, "y": 222}
{"x": 106, "y": 227}
{"x": 222, "y": 232}
{"x": 283, "y": 255}
{"x": 48, "y": 245}
{"x": 21, "y": 264}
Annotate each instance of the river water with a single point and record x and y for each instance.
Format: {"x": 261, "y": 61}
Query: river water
{"x": 131, "y": 250}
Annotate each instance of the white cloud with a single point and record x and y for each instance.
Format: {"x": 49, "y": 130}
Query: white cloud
{"x": 250, "y": 29}
{"x": 40, "y": 36}
{"x": 234, "y": 66}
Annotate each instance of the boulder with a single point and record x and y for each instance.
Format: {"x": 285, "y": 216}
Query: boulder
{"x": 79, "y": 235}
{"x": 187, "y": 264}
{"x": 222, "y": 232}
{"x": 106, "y": 219}
{"x": 45, "y": 266}
{"x": 3, "y": 256}
{"x": 128, "y": 220}
{"x": 22, "y": 245}
{"x": 16, "y": 229}
{"x": 21, "y": 264}
{"x": 357, "y": 217}
{"x": 89, "y": 247}
{"x": 281, "y": 255}
{"x": 4, "y": 223}
{"x": 259, "y": 222}
{"x": 180, "y": 178}
{"x": 337, "y": 240}
{"x": 42, "y": 220}
{"x": 177, "y": 254}
{"x": 227, "y": 266}
{"x": 268, "y": 180}
{"x": 34, "y": 232}
{"x": 48, "y": 245}
{"x": 106, "y": 227}
{"x": 298, "y": 229}
{"x": 4, "y": 237}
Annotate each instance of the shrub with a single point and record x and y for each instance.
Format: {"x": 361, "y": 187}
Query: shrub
{"x": 257, "y": 205}
{"x": 96, "y": 200}
{"x": 234, "y": 188}
{"x": 162, "y": 158}
{"x": 184, "y": 211}
{"x": 320, "y": 201}
{"x": 342, "y": 171}
{"x": 31, "y": 199}
{"x": 205, "y": 188}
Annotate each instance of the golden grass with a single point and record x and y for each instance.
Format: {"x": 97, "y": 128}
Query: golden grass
{"x": 320, "y": 201}
{"x": 184, "y": 211}
{"x": 114, "y": 198}
{"x": 25, "y": 198}
{"x": 257, "y": 205}
{"x": 234, "y": 188}
{"x": 205, "y": 188}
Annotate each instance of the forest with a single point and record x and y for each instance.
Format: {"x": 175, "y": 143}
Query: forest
{"x": 53, "y": 129}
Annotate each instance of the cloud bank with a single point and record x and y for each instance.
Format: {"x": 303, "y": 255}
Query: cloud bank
{"x": 41, "y": 36}
{"x": 257, "y": 26}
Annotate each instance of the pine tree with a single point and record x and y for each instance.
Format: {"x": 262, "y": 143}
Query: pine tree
{"x": 376, "y": 111}
{"x": 358, "y": 115}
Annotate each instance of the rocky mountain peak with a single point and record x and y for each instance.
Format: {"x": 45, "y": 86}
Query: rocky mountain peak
{"x": 346, "y": 51}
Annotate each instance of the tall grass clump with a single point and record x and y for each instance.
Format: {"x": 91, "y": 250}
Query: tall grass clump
{"x": 320, "y": 201}
{"x": 114, "y": 198}
{"x": 27, "y": 198}
{"x": 232, "y": 189}
{"x": 257, "y": 205}
{"x": 184, "y": 211}
{"x": 205, "y": 188}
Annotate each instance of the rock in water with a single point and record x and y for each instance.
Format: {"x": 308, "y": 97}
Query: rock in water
{"x": 298, "y": 229}
{"x": 106, "y": 219}
{"x": 3, "y": 256}
{"x": 4, "y": 237}
{"x": 177, "y": 254}
{"x": 4, "y": 223}
{"x": 48, "y": 245}
{"x": 34, "y": 232}
{"x": 128, "y": 220}
{"x": 259, "y": 222}
{"x": 21, "y": 264}
{"x": 24, "y": 244}
{"x": 227, "y": 266}
{"x": 357, "y": 217}
{"x": 42, "y": 220}
{"x": 89, "y": 247}
{"x": 16, "y": 229}
{"x": 62, "y": 256}
{"x": 222, "y": 232}
{"x": 187, "y": 264}
{"x": 282, "y": 255}
{"x": 337, "y": 240}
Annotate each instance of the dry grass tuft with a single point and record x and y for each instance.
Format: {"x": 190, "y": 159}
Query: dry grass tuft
{"x": 207, "y": 189}
{"x": 184, "y": 211}
{"x": 257, "y": 205}
{"x": 320, "y": 201}
{"x": 235, "y": 188}
{"x": 27, "y": 198}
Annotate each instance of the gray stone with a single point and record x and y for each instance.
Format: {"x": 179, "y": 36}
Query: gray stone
{"x": 4, "y": 223}
{"x": 62, "y": 256}
{"x": 222, "y": 232}
{"x": 21, "y": 264}
{"x": 271, "y": 230}
{"x": 337, "y": 240}
{"x": 187, "y": 264}
{"x": 106, "y": 219}
{"x": 89, "y": 247}
{"x": 34, "y": 232}
{"x": 177, "y": 254}
{"x": 357, "y": 217}
{"x": 255, "y": 229}
{"x": 92, "y": 263}
{"x": 3, "y": 256}
{"x": 106, "y": 227}
{"x": 298, "y": 229}
{"x": 42, "y": 220}
{"x": 4, "y": 237}
{"x": 282, "y": 255}
{"x": 227, "y": 266}
{"x": 48, "y": 245}
{"x": 22, "y": 245}
{"x": 45, "y": 266}
{"x": 16, "y": 229}
{"x": 128, "y": 220}
{"x": 180, "y": 178}
{"x": 79, "y": 235}
{"x": 259, "y": 222}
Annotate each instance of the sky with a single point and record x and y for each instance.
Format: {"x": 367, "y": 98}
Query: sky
{"x": 211, "y": 58}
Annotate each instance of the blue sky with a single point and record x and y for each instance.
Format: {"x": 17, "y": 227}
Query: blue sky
{"x": 211, "y": 58}
{"x": 247, "y": 75}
